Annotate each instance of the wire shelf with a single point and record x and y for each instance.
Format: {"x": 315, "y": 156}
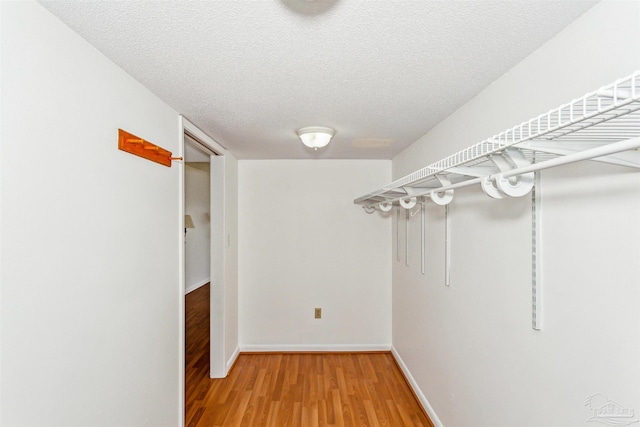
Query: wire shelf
{"x": 606, "y": 116}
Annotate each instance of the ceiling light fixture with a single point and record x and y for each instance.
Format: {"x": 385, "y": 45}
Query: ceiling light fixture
{"x": 315, "y": 136}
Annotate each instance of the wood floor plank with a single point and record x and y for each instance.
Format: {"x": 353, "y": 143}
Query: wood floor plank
{"x": 293, "y": 389}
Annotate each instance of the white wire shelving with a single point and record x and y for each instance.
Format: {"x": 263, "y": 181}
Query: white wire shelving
{"x": 603, "y": 126}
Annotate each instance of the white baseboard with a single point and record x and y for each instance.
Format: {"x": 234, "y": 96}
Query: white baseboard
{"x": 195, "y": 286}
{"x": 416, "y": 389}
{"x": 314, "y": 347}
{"x": 232, "y": 359}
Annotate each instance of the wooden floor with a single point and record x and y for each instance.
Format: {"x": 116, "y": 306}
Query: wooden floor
{"x": 294, "y": 389}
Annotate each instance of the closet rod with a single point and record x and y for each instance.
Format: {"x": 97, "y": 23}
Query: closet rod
{"x": 604, "y": 150}
{"x": 615, "y": 147}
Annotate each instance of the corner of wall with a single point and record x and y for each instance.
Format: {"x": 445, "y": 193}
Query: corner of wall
{"x": 416, "y": 389}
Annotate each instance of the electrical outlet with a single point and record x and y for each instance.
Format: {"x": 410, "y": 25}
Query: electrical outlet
{"x": 318, "y": 313}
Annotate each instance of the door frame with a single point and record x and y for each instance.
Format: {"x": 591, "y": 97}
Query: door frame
{"x": 217, "y": 255}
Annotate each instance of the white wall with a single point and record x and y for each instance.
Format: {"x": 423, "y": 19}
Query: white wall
{"x": 304, "y": 244}
{"x": 90, "y": 236}
{"x": 470, "y": 348}
{"x": 198, "y": 239}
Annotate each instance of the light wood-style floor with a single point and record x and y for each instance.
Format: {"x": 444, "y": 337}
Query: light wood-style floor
{"x": 293, "y": 389}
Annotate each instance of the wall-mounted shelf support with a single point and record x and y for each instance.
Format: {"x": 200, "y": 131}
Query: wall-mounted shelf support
{"x": 441, "y": 196}
{"x": 422, "y": 232}
{"x": 398, "y": 233}
{"x": 406, "y": 236}
{"x": 536, "y": 260}
{"x": 447, "y": 246}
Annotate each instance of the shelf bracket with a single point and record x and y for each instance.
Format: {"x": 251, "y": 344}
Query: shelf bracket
{"x": 411, "y": 200}
{"x": 490, "y": 189}
{"x": 439, "y": 197}
{"x": 385, "y": 206}
{"x": 408, "y": 203}
{"x": 499, "y": 186}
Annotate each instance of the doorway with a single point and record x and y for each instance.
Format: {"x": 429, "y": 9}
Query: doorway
{"x": 203, "y": 159}
{"x": 197, "y": 211}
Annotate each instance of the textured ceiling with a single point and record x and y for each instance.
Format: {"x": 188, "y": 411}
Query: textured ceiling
{"x": 380, "y": 72}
